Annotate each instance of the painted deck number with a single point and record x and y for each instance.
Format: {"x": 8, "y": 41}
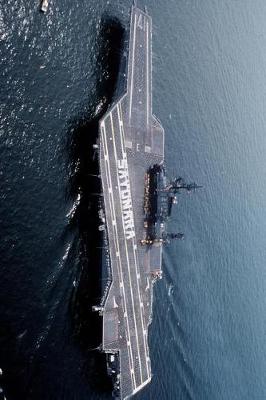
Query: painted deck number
{"x": 125, "y": 198}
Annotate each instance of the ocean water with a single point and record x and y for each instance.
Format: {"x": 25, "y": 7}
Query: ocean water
{"x": 208, "y": 334}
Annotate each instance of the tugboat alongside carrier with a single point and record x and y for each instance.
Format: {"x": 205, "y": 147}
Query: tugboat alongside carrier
{"x": 136, "y": 203}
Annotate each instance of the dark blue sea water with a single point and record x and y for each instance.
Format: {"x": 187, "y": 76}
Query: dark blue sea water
{"x": 208, "y": 334}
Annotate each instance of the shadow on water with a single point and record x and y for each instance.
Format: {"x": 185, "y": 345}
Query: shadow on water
{"x": 85, "y": 185}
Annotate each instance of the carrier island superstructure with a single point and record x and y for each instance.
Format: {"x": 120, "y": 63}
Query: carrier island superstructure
{"x": 137, "y": 200}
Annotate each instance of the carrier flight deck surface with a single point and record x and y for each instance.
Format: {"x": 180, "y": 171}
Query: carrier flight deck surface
{"x": 131, "y": 141}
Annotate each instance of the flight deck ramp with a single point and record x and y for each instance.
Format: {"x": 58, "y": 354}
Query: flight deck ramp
{"x": 131, "y": 140}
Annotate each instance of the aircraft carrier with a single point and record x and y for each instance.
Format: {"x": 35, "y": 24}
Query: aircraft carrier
{"x": 136, "y": 202}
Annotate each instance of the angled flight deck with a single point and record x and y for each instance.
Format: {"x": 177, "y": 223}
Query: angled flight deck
{"x": 131, "y": 140}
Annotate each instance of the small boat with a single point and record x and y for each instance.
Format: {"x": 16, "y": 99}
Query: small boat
{"x": 44, "y": 6}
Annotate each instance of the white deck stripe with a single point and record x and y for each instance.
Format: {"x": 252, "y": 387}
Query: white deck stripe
{"x": 119, "y": 113}
{"x": 135, "y": 258}
{"x": 142, "y": 318}
{"x": 132, "y": 63}
{"x": 122, "y": 133}
{"x": 130, "y": 358}
{"x": 142, "y": 385}
{"x": 147, "y": 73}
{"x": 127, "y": 257}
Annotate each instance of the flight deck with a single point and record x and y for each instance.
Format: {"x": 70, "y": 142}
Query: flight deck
{"x": 131, "y": 140}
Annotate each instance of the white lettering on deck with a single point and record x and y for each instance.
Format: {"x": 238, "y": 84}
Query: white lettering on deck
{"x": 125, "y": 198}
